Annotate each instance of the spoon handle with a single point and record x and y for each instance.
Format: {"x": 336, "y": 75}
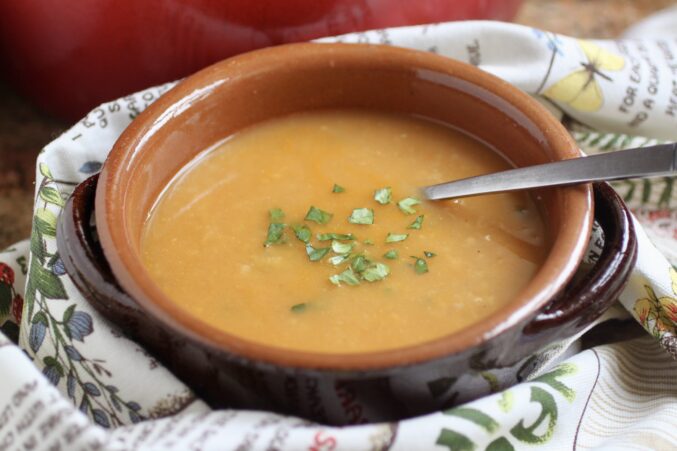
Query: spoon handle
{"x": 651, "y": 161}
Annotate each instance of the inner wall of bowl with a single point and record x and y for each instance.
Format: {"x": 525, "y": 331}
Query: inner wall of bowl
{"x": 198, "y": 122}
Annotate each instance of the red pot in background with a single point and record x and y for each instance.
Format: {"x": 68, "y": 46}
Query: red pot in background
{"x": 69, "y": 56}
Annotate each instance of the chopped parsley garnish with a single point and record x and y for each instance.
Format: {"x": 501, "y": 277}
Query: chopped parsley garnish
{"x": 378, "y": 271}
{"x": 392, "y": 254}
{"x": 275, "y": 233}
{"x": 383, "y": 195}
{"x": 315, "y": 254}
{"x": 341, "y": 248}
{"x": 395, "y": 237}
{"x": 360, "y": 263}
{"x": 338, "y": 259}
{"x": 303, "y": 233}
{"x": 319, "y": 216}
{"x": 416, "y": 225}
{"x": 276, "y": 215}
{"x": 362, "y": 216}
{"x": 335, "y": 236}
{"x": 407, "y": 203}
{"x": 352, "y": 265}
{"x": 298, "y": 308}
{"x": 347, "y": 276}
{"x": 421, "y": 267}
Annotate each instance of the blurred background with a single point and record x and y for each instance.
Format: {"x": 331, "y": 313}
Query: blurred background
{"x": 59, "y": 59}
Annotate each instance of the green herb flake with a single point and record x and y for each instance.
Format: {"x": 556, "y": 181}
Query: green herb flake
{"x": 429, "y": 254}
{"x": 341, "y": 248}
{"x": 276, "y": 215}
{"x": 391, "y": 254}
{"x": 315, "y": 254}
{"x": 275, "y": 233}
{"x": 395, "y": 237}
{"x": 421, "y": 267}
{"x": 338, "y": 259}
{"x": 337, "y": 189}
{"x": 378, "y": 271}
{"x": 416, "y": 225}
{"x": 347, "y": 276}
{"x": 319, "y": 216}
{"x": 298, "y": 308}
{"x": 383, "y": 195}
{"x": 407, "y": 203}
{"x": 335, "y": 236}
{"x": 360, "y": 263}
{"x": 362, "y": 216}
{"x": 303, "y": 233}
{"x": 368, "y": 242}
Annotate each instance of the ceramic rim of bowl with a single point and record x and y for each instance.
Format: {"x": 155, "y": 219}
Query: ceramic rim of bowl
{"x": 558, "y": 268}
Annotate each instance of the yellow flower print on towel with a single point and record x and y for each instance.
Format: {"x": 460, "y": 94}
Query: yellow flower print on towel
{"x": 658, "y": 315}
{"x": 669, "y": 304}
{"x": 580, "y": 89}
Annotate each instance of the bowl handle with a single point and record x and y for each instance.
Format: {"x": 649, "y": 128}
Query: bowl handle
{"x": 586, "y": 298}
{"x": 85, "y": 263}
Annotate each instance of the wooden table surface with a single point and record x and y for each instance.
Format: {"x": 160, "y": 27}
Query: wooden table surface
{"x": 24, "y": 130}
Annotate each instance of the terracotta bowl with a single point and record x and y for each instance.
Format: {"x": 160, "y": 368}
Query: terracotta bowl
{"x": 230, "y": 371}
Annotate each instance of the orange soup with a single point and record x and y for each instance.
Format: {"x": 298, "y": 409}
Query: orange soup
{"x": 308, "y": 232}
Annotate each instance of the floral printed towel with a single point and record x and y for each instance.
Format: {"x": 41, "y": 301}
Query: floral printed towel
{"x": 71, "y": 381}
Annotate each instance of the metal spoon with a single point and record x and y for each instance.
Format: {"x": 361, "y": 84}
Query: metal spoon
{"x": 651, "y": 161}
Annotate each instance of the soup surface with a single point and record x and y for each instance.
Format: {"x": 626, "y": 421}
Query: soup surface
{"x": 417, "y": 272}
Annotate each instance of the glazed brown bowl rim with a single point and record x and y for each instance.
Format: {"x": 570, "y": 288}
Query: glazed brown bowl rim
{"x": 564, "y": 258}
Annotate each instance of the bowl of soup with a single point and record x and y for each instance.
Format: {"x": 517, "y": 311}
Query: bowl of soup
{"x": 260, "y": 230}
